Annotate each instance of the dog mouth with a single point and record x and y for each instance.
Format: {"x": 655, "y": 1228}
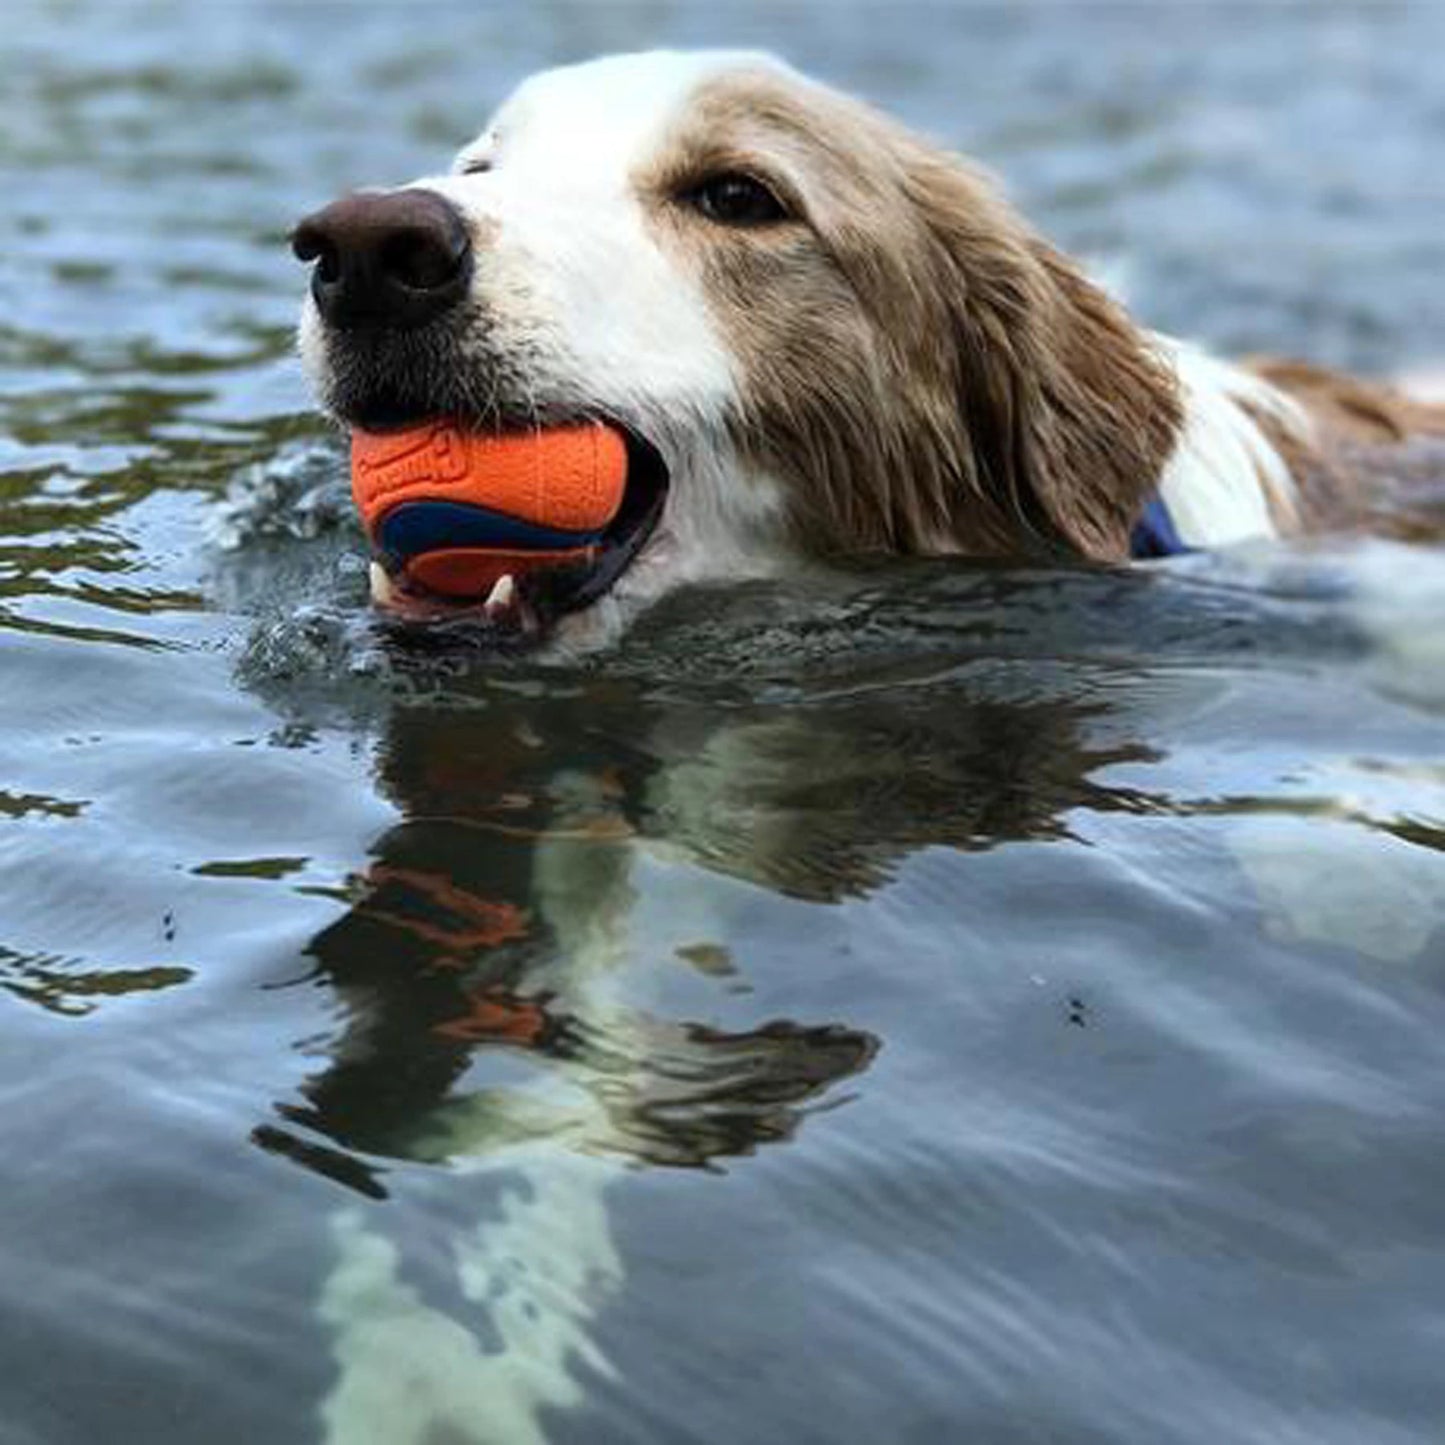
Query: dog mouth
{"x": 436, "y": 561}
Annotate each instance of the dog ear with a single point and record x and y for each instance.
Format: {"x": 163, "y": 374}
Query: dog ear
{"x": 1070, "y": 416}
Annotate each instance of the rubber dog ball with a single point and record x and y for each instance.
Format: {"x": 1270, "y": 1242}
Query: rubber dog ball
{"x": 454, "y": 511}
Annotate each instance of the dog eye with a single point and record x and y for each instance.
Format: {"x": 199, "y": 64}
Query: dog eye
{"x": 478, "y": 166}
{"x": 733, "y": 199}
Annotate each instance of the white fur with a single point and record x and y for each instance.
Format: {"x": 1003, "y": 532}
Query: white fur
{"x": 569, "y": 271}
{"x": 1224, "y": 475}
{"x": 578, "y": 283}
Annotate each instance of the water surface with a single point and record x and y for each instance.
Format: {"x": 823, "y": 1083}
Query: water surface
{"x": 929, "y": 1003}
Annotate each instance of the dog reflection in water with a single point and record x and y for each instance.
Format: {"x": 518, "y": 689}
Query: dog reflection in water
{"x": 487, "y": 968}
{"x": 495, "y": 968}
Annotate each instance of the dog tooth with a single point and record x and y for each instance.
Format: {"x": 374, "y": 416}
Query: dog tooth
{"x": 504, "y": 590}
{"x": 382, "y": 589}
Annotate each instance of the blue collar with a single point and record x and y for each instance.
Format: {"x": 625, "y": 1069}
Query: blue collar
{"x": 1154, "y": 534}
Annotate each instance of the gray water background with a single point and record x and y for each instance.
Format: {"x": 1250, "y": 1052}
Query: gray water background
{"x": 1020, "y": 1007}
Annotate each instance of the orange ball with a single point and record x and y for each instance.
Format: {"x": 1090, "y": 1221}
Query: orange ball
{"x": 511, "y": 502}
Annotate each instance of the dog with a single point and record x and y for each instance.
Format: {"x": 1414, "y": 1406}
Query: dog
{"x": 823, "y": 337}
{"x": 828, "y": 336}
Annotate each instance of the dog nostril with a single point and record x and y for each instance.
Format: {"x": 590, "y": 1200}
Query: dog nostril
{"x": 422, "y": 259}
{"x": 328, "y": 265}
{"x": 310, "y": 243}
{"x": 306, "y": 242}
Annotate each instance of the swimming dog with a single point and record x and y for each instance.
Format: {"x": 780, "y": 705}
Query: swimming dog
{"x": 819, "y": 334}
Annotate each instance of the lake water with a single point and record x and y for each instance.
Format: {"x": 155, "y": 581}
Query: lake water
{"x": 926, "y": 1004}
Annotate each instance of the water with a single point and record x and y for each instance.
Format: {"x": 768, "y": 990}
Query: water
{"x": 922, "y": 1004}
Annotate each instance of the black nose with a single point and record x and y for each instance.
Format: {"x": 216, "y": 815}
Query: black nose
{"x": 385, "y": 258}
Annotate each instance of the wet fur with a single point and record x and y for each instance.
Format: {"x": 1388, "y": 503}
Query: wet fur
{"x": 1367, "y": 440}
{"x": 921, "y": 371}
{"x": 902, "y": 366}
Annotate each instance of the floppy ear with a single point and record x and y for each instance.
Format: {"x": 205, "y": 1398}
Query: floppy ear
{"x": 1070, "y": 416}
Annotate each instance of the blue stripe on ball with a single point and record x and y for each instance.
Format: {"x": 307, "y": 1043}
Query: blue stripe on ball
{"x": 417, "y": 527}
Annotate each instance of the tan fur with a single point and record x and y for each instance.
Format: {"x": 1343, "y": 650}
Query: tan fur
{"x": 1348, "y": 409}
{"x": 1364, "y": 437}
{"x": 922, "y": 371}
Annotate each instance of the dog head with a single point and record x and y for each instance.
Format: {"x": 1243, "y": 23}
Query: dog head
{"x": 819, "y": 333}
